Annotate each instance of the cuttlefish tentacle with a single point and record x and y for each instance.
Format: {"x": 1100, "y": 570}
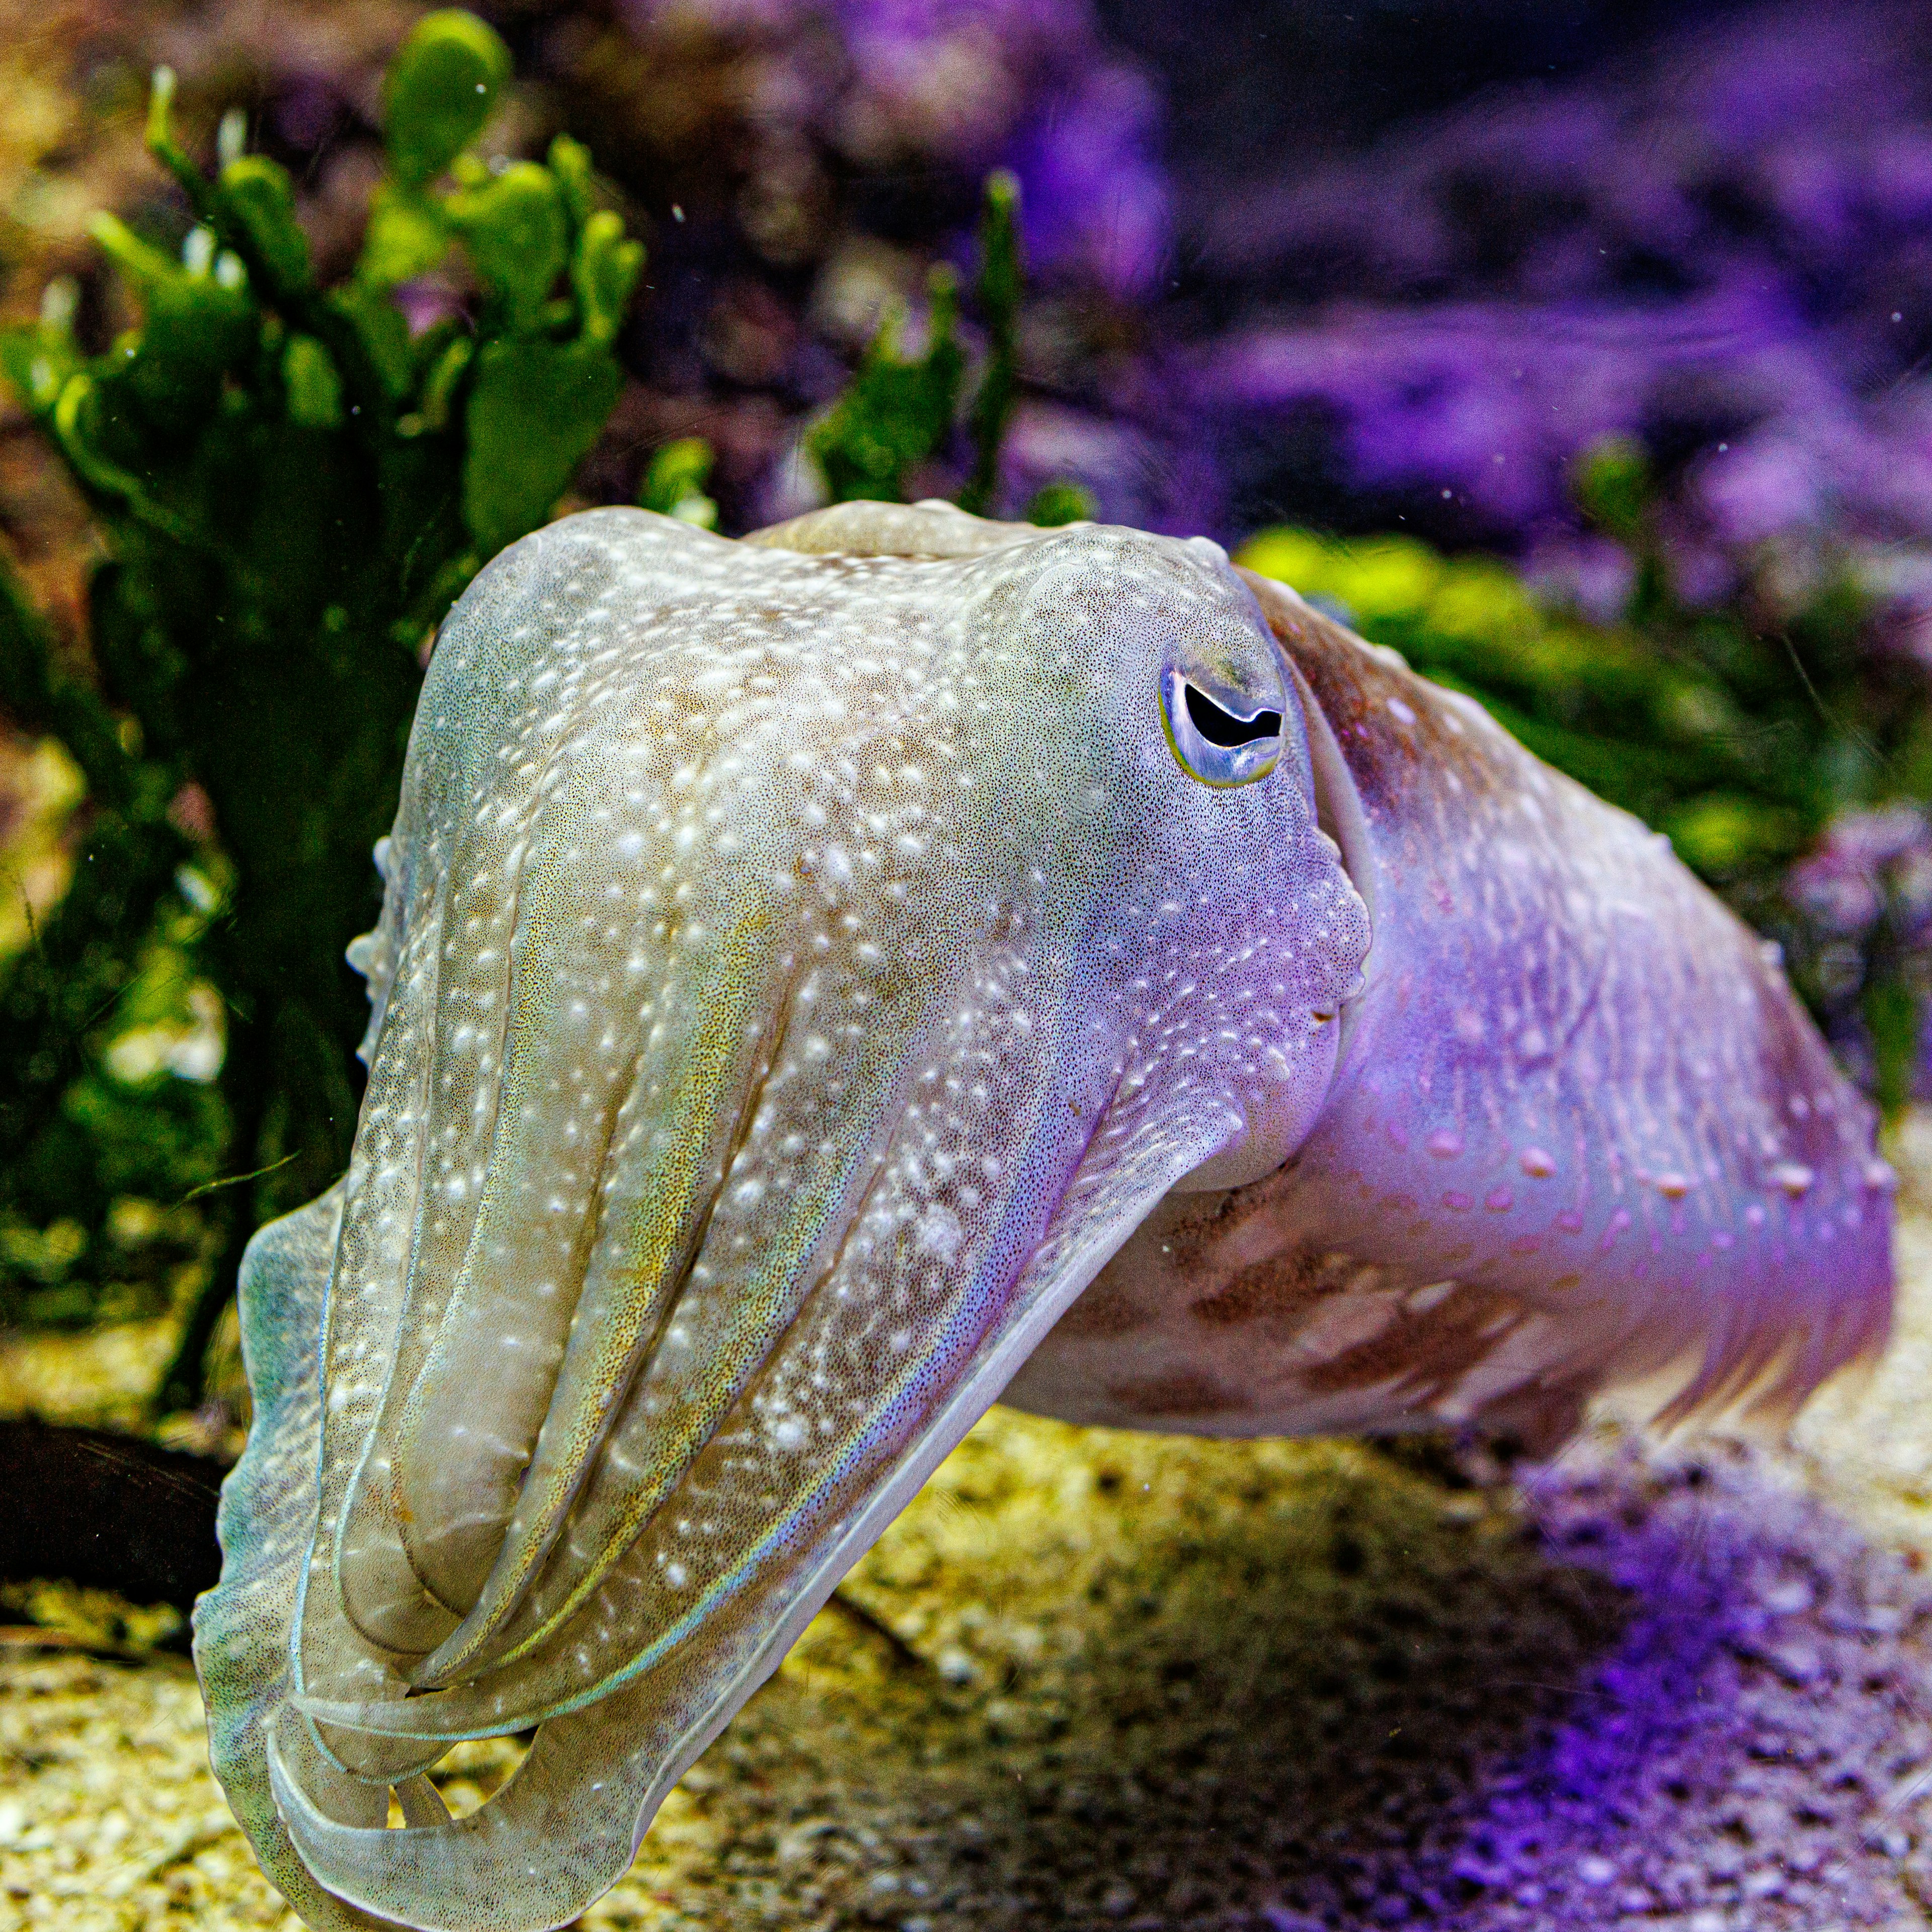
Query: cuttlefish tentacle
{"x": 658, "y": 1194}
{"x": 533, "y": 1052}
{"x": 826, "y": 980}
{"x": 242, "y": 1627}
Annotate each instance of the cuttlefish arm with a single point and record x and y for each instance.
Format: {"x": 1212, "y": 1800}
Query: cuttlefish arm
{"x": 804, "y": 964}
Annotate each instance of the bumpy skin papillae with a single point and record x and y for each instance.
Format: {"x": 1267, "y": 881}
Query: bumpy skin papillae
{"x": 804, "y": 963}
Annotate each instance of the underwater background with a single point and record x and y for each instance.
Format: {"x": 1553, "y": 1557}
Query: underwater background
{"x": 1581, "y": 351}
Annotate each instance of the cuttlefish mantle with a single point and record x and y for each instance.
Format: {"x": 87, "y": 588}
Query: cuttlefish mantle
{"x": 827, "y": 980}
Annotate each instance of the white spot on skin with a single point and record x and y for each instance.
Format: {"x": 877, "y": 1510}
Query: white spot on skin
{"x": 939, "y": 1233}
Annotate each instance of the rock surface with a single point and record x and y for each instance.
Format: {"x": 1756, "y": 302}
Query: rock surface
{"x": 1094, "y": 1680}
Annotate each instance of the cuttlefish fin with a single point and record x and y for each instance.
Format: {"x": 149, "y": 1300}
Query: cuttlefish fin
{"x": 932, "y": 528}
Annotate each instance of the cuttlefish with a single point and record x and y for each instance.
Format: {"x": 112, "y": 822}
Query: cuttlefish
{"x": 828, "y": 981}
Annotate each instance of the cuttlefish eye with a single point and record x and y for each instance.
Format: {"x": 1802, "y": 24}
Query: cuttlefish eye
{"x": 1227, "y": 740}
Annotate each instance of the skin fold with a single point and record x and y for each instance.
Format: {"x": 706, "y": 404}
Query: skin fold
{"x": 829, "y": 980}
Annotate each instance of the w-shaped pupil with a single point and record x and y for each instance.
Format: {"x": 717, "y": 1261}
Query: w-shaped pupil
{"x": 1223, "y": 727}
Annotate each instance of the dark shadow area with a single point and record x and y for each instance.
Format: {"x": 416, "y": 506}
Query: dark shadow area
{"x": 108, "y": 1512}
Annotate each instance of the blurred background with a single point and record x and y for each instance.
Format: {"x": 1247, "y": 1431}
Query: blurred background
{"x": 1582, "y": 352}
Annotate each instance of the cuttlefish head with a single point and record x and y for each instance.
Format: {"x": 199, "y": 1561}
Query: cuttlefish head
{"x": 801, "y": 968}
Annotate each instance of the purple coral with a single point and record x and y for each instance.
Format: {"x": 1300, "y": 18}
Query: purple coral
{"x": 1725, "y": 248}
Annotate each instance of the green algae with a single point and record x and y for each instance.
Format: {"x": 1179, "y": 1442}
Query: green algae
{"x": 903, "y": 409}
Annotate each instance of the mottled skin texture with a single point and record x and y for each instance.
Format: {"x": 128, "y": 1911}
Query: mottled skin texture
{"x": 806, "y": 965}
{"x": 1580, "y": 1128}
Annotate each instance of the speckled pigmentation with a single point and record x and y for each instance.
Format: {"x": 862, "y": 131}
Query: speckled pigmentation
{"x": 826, "y": 980}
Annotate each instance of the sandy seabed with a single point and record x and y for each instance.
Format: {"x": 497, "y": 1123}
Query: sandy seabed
{"x": 1091, "y": 1679}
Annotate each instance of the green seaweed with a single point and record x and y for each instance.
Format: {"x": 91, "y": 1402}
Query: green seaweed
{"x": 291, "y": 490}
{"x": 1055, "y": 505}
{"x": 674, "y": 482}
{"x": 901, "y": 411}
{"x": 1001, "y": 283}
